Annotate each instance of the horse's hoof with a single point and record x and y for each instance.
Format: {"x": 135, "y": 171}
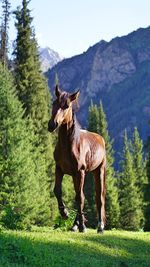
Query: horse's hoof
{"x": 82, "y": 229}
{"x": 64, "y": 214}
{"x": 100, "y": 231}
{"x": 65, "y": 217}
{"x": 74, "y": 228}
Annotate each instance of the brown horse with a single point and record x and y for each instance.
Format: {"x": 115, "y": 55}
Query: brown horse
{"x": 76, "y": 153}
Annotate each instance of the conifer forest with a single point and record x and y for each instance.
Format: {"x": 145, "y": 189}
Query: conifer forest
{"x": 27, "y": 168}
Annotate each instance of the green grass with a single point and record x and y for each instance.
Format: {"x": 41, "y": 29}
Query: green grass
{"x": 66, "y": 249}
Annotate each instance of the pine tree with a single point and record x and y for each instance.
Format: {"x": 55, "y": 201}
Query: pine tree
{"x": 140, "y": 168}
{"x": 112, "y": 203}
{"x": 18, "y": 183}
{"x": 4, "y": 32}
{"x": 33, "y": 92}
{"x": 130, "y": 205}
{"x": 138, "y": 160}
{"x": 93, "y": 122}
{"x": 98, "y": 123}
{"x": 147, "y": 190}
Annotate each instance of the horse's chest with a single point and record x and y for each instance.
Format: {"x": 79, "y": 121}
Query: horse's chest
{"x": 64, "y": 159}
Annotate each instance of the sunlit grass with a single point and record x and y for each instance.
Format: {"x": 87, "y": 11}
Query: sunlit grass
{"x": 45, "y": 247}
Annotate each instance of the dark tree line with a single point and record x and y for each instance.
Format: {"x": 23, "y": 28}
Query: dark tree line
{"x": 97, "y": 123}
{"x": 127, "y": 197}
{"x": 26, "y": 147}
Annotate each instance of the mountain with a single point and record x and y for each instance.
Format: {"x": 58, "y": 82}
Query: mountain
{"x": 48, "y": 58}
{"x": 118, "y": 73}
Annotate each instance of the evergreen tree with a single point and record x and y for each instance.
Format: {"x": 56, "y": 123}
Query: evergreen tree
{"x": 130, "y": 204}
{"x": 93, "y": 119}
{"x": 18, "y": 184}
{"x": 138, "y": 161}
{"x": 140, "y": 168}
{"x": 147, "y": 190}
{"x": 112, "y": 203}
{"x": 93, "y": 122}
{"x": 98, "y": 123}
{"x": 33, "y": 92}
{"x": 4, "y": 32}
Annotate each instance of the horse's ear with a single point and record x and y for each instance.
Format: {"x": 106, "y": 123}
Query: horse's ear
{"x": 57, "y": 91}
{"x": 74, "y": 96}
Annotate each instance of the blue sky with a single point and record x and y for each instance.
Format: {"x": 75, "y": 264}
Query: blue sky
{"x": 70, "y": 27}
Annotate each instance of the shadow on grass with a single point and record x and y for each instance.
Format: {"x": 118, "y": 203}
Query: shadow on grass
{"x": 79, "y": 250}
{"x": 136, "y": 251}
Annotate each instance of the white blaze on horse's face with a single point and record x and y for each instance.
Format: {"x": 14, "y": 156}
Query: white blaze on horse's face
{"x": 62, "y": 115}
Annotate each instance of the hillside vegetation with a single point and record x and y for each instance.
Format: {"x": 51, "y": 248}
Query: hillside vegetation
{"x": 55, "y": 248}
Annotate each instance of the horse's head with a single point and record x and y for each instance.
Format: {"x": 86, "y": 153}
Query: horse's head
{"x": 61, "y": 108}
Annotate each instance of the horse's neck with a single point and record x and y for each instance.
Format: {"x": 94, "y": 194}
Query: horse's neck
{"x": 68, "y": 132}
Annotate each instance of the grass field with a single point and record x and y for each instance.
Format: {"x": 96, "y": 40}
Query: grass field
{"x": 54, "y": 248}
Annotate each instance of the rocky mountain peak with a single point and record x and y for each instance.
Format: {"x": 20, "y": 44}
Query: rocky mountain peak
{"x": 49, "y": 58}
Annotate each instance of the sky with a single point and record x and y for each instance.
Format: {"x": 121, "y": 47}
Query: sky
{"x": 70, "y": 27}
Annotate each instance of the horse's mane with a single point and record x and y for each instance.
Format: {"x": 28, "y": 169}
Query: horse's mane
{"x": 75, "y": 128}
{"x": 75, "y": 105}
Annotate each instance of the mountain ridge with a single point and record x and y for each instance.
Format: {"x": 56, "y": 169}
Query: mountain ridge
{"x": 116, "y": 72}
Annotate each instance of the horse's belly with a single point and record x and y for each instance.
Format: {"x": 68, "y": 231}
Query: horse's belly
{"x": 94, "y": 161}
{"x": 94, "y": 166}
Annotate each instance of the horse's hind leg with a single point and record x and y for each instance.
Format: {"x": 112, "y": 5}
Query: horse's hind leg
{"x": 58, "y": 192}
{"x": 78, "y": 185}
{"x": 100, "y": 187}
{"x": 75, "y": 226}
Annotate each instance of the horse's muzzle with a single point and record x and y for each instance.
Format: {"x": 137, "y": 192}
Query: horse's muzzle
{"x": 52, "y": 126}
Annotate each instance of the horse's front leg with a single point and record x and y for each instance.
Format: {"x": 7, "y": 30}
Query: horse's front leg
{"x": 79, "y": 222}
{"x": 58, "y": 192}
{"x": 100, "y": 187}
